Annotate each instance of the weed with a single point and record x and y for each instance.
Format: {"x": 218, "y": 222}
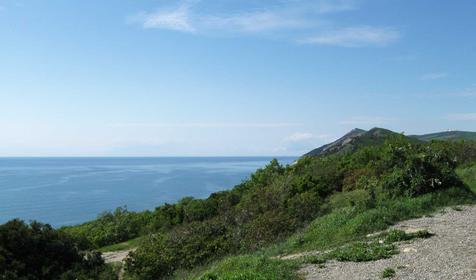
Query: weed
{"x": 399, "y": 235}
{"x": 388, "y": 272}
{"x": 363, "y": 252}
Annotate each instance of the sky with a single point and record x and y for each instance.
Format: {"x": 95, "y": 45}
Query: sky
{"x": 229, "y": 77}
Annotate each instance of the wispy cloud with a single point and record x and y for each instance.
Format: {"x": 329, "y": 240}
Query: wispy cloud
{"x": 359, "y": 36}
{"x": 177, "y": 19}
{"x": 433, "y": 76}
{"x": 368, "y": 121}
{"x": 207, "y": 125}
{"x": 261, "y": 21}
{"x": 291, "y": 19}
{"x": 462, "y": 117}
{"x": 467, "y": 92}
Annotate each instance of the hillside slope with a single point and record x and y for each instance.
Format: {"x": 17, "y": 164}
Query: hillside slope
{"x": 447, "y": 135}
{"x": 358, "y": 138}
{"x": 448, "y": 254}
{"x": 353, "y": 140}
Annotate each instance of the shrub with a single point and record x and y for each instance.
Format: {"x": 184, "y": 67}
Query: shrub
{"x": 37, "y": 251}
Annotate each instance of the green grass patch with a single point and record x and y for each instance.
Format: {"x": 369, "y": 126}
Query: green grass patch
{"x": 388, "y": 272}
{"x": 363, "y": 252}
{"x": 130, "y": 244}
{"x": 399, "y": 235}
{"x": 468, "y": 175}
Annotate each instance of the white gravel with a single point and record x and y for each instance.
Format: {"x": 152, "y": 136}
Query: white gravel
{"x": 449, "y": 254}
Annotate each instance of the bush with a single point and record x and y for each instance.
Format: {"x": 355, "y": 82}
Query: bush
{"x": 37, "y": 251}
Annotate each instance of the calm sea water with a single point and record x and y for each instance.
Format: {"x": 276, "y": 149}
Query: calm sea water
{"x": 66, "y": 191}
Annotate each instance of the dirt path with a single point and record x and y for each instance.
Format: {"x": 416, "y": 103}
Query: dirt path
{"x": 117, "y": 256}
{"x": 449, "y": 254}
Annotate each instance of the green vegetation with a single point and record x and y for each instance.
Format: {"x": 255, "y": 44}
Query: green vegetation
{"x": 364, "y": 252}
{"x": 388, "y": 272}
{"x": 350, "y": 195}
{"x": 318, "y": 203}
{"x": 400, "y": 235}
{"x": 37, "y": 251}
{"x": 468, "y": 175}
{"x": 251, "y": 267}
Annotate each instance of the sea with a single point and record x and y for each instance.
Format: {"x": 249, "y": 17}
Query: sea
{"x": 69, "y": 191}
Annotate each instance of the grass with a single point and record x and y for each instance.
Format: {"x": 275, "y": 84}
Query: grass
{"x": 130, "y": 244}
{"x": 388, "y": 272}
{"x": 349, "y": 224}
{"x": 468, "y": 175}
{"x": 249, "y": 267}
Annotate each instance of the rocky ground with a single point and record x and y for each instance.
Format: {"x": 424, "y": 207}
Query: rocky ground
{"x": 449, "y": 254}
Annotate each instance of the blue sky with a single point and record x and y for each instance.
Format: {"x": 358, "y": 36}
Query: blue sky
{"x": 217, "y": 78}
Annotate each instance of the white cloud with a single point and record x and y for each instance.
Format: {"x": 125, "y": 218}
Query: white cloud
{"x": 368, "y": 121}
{"x": 289, "y": 19}
{"x": 433, "y": 76}
{"x": 173, "y": 19}
{"x": 358, "y": 36}
{"x": 261, "y": 21}
{"x": 462, "y": 117}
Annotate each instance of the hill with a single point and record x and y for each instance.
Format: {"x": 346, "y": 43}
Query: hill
{"x": 353, "y": 140}
{"x": 358, "y": 138}
{"x": 446, "y": 136}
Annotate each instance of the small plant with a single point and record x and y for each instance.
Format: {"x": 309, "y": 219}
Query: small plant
{"x": 363, "y": 252}
{"x": 388, "y": 272}
{"x": 396, "y": 236}
{"x": 457, "y": 208}
{"x": 399, "y": 235}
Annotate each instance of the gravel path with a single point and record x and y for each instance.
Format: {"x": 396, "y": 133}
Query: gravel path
{"x": 117, "y": 256}
{"x": 449, "y": 254}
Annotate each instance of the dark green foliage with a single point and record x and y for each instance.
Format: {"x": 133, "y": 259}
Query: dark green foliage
{"x": 364, "y": 191}
{"x": 110, "y": 228}
{"x": 278, "y": 200}
{"x": 38, "y": 251}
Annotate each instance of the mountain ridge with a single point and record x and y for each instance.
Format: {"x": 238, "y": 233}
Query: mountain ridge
{"x": 359, "y": 138}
